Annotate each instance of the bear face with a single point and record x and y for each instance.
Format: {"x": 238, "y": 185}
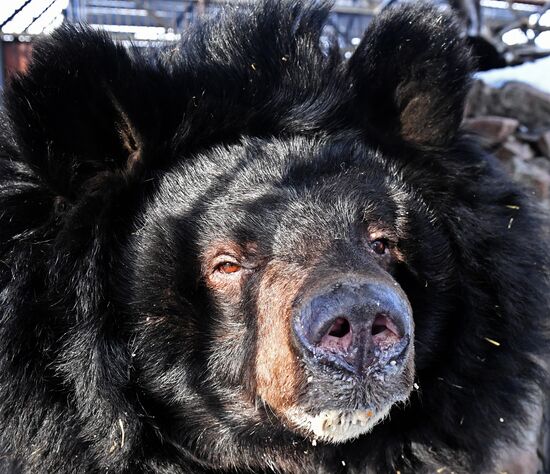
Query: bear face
{"x": 272, "y": 292}
{"x": 243, "y": 254}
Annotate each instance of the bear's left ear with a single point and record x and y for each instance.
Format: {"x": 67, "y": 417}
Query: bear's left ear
{"x": 410, "y": 74}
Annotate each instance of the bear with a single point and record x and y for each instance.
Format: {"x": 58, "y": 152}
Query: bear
{"x": 243, "y": 253}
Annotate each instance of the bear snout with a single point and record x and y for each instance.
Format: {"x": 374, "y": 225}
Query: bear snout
{"x": 355, "y": 326}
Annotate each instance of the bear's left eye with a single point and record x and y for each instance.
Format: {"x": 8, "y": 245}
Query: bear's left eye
{"x": 379, "y": 246}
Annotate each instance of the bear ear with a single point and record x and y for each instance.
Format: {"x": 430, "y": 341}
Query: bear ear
{"x": 74, "y": 113}
{"x": 410, "y": 74}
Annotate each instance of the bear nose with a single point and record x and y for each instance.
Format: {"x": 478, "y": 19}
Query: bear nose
{"x": 356, "y": 326}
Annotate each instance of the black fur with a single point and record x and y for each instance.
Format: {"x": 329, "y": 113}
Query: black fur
{"x": 118, "y": 170}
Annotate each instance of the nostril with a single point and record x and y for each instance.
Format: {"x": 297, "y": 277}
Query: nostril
{"x": 379, "y": 325}
{"x": 339, "y": 336}
{"x": 384, "y": 331}
{"x": 339, "y": 328}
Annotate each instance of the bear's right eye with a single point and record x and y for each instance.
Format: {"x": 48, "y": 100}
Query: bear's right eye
{"x": 228, "y": 267}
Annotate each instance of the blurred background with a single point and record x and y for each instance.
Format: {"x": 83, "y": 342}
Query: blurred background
{"x": 502, "y": 32}
{"x": 509, "y": 105}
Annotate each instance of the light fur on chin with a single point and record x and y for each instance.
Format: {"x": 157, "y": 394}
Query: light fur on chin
{"x": 337, "y": 426}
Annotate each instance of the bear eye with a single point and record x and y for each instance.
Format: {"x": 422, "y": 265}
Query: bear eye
{"x": 228, "y": 267}
{"x": 379, "y": 246}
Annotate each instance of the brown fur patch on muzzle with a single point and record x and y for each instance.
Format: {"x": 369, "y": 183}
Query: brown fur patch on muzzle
{"x": 279, "y": 374}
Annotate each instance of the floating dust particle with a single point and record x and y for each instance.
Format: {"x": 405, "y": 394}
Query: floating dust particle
{"x": 284, "y": 58}
{"x": 416, "y": 386}
{"x": 512, "y": 206}
{"x": 344, "y": 463}
{"x": 310, "y": 379}
{"x": 510, "y": 223}
{"x": 441, "y": 469}
{"x": 501, "y": 420}
{"x": 493, "y": 342}
{"x": 253, "y": 66}
{"x": 314, "y": 442}
{"x": 393, "y": 362}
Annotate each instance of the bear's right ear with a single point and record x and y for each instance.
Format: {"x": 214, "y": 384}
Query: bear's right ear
{"x": 79, "y": 109}
{"x": 410, "y": 74}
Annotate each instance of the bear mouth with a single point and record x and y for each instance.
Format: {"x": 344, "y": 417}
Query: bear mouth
{"x": 337, "y": 426}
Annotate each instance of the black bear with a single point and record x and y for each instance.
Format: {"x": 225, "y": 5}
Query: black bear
{"x": 244, "y": 254}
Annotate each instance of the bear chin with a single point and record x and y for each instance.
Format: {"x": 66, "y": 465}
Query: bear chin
{"x": 335, "y": 426}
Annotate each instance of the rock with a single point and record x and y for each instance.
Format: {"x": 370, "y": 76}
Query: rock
{"x": 544, "y": 143}
{"x": 514, "y": 122}
{"x": 533, "y": 176}
{"x": 514, "y": 149}
{"x": 494, "y": 130}
{"x": 542, "y": 162}
{"x": 515, "y": 99}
